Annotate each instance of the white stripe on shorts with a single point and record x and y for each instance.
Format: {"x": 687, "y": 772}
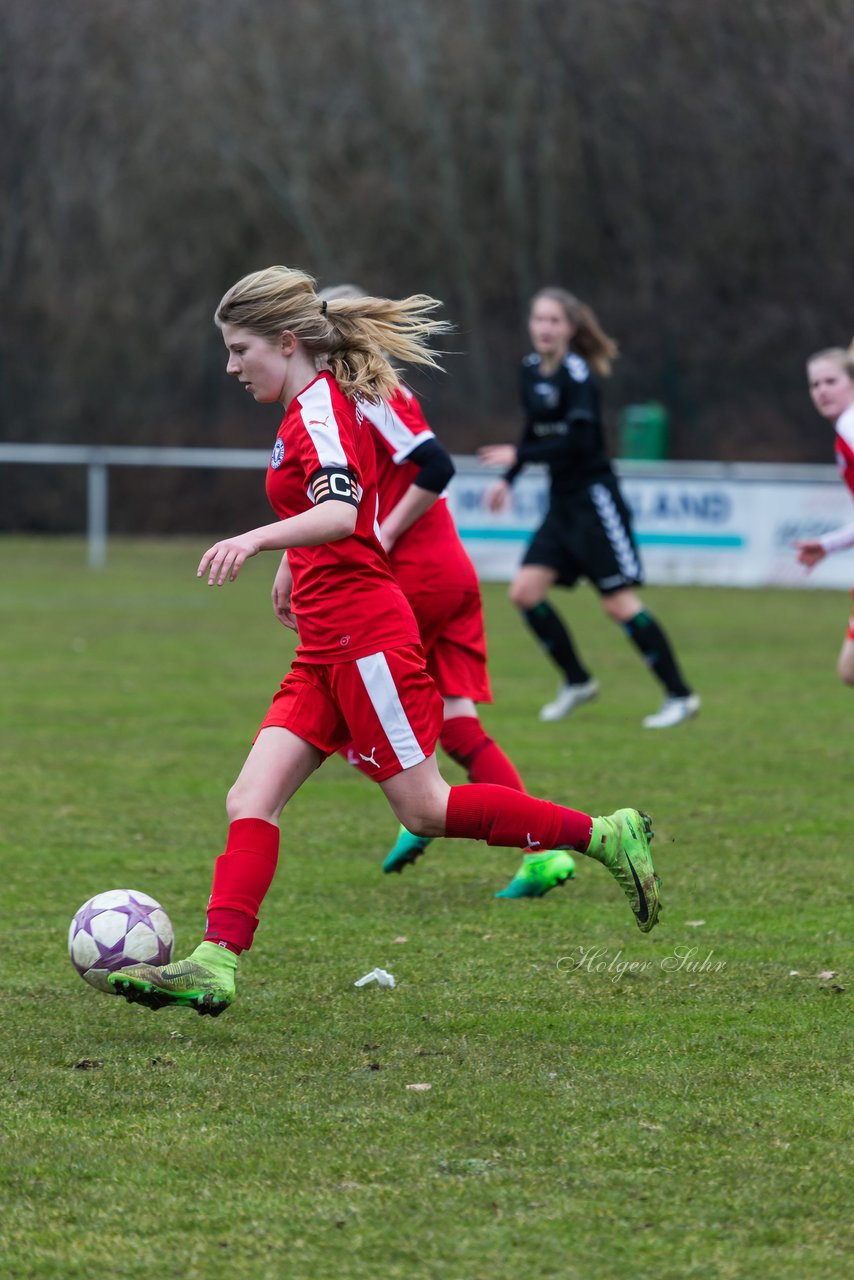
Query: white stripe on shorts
{"x": 382, "y": 691}
{"x": 615, "y": 531}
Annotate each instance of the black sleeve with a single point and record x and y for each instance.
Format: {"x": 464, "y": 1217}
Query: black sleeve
{"x": 512, "y": 472}
{"x": 582, "y": 438}
{"x": 580, "y": 442}
{"x": 436, "y": 467}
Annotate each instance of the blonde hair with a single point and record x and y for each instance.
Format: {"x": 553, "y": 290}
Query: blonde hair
{"x": 356, "y": 336}
{"x": 333, "y": 292}
{"x": 839, "y": 355}
{"x": 589, "y": 339}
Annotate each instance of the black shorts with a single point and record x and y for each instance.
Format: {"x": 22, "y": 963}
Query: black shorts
{"x": 588, "y": 534}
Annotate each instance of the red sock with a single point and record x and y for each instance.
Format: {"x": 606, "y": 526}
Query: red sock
{"x": 465, "y": 741}
{"x": 242, "y": 876}
{"x": 500, "y": 816}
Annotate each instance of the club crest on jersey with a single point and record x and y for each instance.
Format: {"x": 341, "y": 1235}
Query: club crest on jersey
{"x": 577, "y": 367}
{"x": 548, "y": 394}
{"x": 278, "y": 455}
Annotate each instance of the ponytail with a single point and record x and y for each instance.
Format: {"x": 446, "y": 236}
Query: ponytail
{"x": 353, "y": 336}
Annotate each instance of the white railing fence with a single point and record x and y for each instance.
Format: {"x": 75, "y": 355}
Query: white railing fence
{"x": 729, "y": 524}
{"x": 97, "y": 459}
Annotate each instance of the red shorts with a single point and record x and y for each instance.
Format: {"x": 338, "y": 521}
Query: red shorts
{"x": 452, "y": 633}
{"x": 386, "y": 705}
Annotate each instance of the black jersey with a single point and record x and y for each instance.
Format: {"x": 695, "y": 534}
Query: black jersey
{"x": 563, "y": 426}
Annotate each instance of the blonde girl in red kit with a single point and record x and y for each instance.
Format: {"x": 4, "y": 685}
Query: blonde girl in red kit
{"x": 359, "y": 673}
{"x": 830, "y": 375}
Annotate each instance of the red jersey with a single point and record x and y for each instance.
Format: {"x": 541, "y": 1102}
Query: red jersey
{"x": 429, "y": 555}
{"x": 845, "y": 447}
{"x": 346, "y": 600}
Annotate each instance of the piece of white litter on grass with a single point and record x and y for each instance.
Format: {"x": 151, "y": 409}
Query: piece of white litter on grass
{"x": 419, "y": 1088}
{"x": 694, "y": 924}
{"x": 379, "y": 976}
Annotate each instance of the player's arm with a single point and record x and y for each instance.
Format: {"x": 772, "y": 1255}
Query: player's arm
{"x": 500, "y": 455}
{"x": 812, "y": 550}
{"x": 436, "y": 470}
{"x": 838, "y": 539}
{"x": 283, "y": 585}
{"x": 579, "y": 442}
{"x": 335, "y": 495}
{"x": 581, "y": 438}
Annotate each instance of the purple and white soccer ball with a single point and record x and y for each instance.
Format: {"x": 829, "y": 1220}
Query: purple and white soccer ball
{"x": 116, "y": 929}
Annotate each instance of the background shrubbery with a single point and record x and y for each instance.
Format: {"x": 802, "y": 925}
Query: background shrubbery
{"x": 686, "y": 167}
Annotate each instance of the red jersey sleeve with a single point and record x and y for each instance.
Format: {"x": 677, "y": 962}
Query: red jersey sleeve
{"x": 845, "y": 447}
{"x": 399, "y": 425}
{"x": 327, "y": 438}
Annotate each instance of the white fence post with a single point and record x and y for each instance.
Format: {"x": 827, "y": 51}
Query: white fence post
{"x": 97, "y": 503}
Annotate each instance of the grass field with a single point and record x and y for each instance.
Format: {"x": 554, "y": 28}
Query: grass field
{"x": 687, "y": 1117}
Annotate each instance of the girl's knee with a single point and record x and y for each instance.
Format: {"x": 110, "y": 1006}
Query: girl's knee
{"x": 523, "y": 596}
{"x": 845, "y": 663}
{"x": 234, "y": 803}
{"x": 622, "y": 606}
{"x": 423, "y": 820}
{"x": 423, "y": 815}
{"x": 244, "y": 802}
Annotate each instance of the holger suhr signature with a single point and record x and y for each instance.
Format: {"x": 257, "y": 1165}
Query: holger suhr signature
{"x": 682, "y": 959}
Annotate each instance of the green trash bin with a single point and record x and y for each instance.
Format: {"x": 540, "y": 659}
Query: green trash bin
{"x": 643, "y": 431}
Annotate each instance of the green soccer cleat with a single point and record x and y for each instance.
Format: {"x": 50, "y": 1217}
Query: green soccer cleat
{"x": 204, "y": 982}
{"x": 407, "y": 849}
{"x": 621, "y": 843}
{"x": 540, "y": 872}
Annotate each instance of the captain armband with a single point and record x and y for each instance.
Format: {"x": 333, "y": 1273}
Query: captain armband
{"x": 334, "y": 483}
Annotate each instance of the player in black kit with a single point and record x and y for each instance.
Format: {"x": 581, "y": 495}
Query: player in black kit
{"x": 587, "y": 531}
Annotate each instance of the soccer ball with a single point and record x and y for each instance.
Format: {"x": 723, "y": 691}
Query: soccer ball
{"x": 117, "y": 929}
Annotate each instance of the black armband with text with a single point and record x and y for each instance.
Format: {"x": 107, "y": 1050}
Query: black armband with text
{"x": 334, "y": 484}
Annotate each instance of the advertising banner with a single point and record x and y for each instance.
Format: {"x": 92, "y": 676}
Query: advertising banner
{"x": 695, "y": 523}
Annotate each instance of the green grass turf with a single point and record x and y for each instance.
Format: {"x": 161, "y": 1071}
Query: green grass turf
{"x": 670, "y": 1122}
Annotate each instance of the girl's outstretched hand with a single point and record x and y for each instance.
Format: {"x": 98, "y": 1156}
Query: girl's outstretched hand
{"x": 498, "y": 496}
{"x": 810, "y": 551}
{"x": 497, "y": 455}
{"x": 223, "y": 561}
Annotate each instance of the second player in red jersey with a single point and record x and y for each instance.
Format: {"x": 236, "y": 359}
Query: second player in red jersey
{"x": 441, "y": 584}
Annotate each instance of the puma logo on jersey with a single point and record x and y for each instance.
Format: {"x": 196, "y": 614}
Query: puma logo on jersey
{"x": 532, "y": 844}
{"x": 370, "y": 759}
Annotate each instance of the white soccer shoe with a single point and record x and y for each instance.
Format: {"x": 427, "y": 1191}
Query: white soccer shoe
{"x": 569, "y": 696}
{"x": 673, "y": 711}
